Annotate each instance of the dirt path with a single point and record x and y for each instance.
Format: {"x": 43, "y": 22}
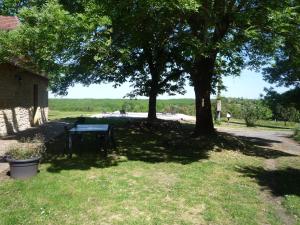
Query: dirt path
{"x": 278, "y": 140}
{"x": 275, "y": 140}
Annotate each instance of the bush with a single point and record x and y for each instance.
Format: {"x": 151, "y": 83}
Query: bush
{"x": 297, "y": 134}
{"x": 289, "y": 114}
{"x": 128, "y": 106}
{"x": 253, "y": 111}
{"x": 264, "y": 112}
{"x": 250, "y": 114}
{"x": 28, "y": 149}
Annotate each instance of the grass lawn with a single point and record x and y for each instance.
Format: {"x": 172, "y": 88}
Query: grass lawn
{"x": 157, "y": 175}
{"x": 57, "y": 115}
{"x": 262, "y": 124}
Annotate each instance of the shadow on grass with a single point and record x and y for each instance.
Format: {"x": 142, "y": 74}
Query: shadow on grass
{"x": 85, "y": 155}
{"x": 85, "y": 162}
{"x": 133, "y": 144}
{"x": 262, "y": 142}
{"x": 281, "y": 182}
{"x": 163, "y": 141}
{"x": 50, "y": 129}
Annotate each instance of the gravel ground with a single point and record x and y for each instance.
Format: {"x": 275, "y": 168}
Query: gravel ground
{"x": 279, "y": 140}
{"x": 163, "y": 116}
{"x": 48, "y": 131}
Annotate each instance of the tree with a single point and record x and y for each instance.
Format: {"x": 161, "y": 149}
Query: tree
{"x": 11, "y": 7}
{"x": 285, "y": 71}
{"x": 203, "y": 38}
{"x": 289, "y": 114}
{"x": 142, "y": 50}
{"x": 108, "y": 41}
{"x": 276, "y": 101}
{"x": 250, "y": 114}
{"x": 254, "y": 110}
{"x": 243, "y": 33}
{"x": 69, "y": 40}
{"x": 43, "y": 39}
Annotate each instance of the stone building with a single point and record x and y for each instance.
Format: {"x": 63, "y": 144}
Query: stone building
{"x": 23, "y": 93}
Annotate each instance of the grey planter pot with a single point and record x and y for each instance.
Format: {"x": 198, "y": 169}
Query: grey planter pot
{"x": 22, "y": 169}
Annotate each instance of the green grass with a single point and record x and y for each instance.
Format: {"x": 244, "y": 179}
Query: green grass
{"x": 290, "y": 167}
{"x": 265, "y": 124}
{"x": 57, "y": 115}
{"x": 153, "y": 177}
{"x": 297, "y": 134}
{"x": 136, "y": 192}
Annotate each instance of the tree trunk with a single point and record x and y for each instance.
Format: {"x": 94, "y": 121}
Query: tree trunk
{"x": 153, "y": 88}
{"x": 152, "y": 104}
{"x": 202, "y": 79}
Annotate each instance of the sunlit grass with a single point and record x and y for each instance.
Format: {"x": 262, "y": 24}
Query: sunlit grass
{"x": 261, "y": 124}
{"x": 135, "y": 192}
{"x": 57, "y": 115}
{"x": 156, "y": 175}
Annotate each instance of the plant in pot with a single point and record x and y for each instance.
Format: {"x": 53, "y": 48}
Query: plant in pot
{"x": 24, "y": 158}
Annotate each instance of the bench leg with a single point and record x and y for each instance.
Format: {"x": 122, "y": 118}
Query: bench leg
{"x": 70, "y": 145}
{"x": 106, "y": 142}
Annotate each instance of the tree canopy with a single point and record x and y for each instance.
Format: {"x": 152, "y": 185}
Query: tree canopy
{"x": 156, "y": 45}
{"x": 285, "y": 69}
{"x": 287, "y": 99}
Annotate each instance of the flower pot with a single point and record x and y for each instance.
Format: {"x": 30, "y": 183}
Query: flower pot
{"x": 22, "y": 169}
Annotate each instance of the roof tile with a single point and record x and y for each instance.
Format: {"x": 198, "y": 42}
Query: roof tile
{"x": 9, "y": 22}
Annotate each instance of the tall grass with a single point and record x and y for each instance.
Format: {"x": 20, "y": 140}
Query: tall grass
{"x": 297, "y": 134}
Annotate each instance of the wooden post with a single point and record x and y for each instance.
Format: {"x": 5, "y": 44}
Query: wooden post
{"x": 219, "y": 109}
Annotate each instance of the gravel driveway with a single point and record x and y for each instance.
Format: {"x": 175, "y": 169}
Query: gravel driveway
{"x": 279, "y": 140}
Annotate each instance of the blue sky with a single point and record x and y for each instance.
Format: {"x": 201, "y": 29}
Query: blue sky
{"x": 249, "y": 85}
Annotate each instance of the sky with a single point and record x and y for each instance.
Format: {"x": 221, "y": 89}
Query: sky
{"x": 248, "y": 85}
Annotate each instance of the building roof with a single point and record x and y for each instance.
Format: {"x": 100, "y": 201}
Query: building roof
{"x": 9, "y": 22}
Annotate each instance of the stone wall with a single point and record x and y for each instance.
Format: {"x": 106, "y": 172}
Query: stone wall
{"x": 17, "y": 110}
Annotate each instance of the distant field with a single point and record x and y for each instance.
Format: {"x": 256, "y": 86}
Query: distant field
{"x": 110, "y": 105}
{"x": 62, "y": 108}
{"x": 58, "y": 115}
